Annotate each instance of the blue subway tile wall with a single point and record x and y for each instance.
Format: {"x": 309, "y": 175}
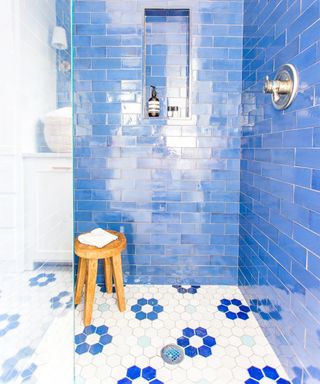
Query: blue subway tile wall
{"x": 280, "y": 199}
{"x": 172, "y": 187}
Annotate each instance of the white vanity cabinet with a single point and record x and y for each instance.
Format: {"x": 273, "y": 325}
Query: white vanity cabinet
{"x": 48, "y": 207}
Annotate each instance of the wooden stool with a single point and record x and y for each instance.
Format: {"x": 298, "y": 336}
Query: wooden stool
{"x": 87, "y": 272}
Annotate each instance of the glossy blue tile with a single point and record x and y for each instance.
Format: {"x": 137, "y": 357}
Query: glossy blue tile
{"x": 133, "y": 372}
{"x": 89, "y": 29}
{"x": 310, "y": 35}
{"x": 81, "y": 18}
{"x": 82, "y": 41}
{"x": 89, "y": 6}
{"x": 305, "y": 19}
{"x": 307, "y": 198}
{"x": 279, "y": 226}
{"x": 88, "y": 52}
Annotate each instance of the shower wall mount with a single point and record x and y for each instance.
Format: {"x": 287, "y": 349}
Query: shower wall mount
{"x": 284, "y": 87}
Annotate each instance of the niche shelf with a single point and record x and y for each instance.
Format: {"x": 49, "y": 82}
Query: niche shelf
{"x": 167, "y": 60}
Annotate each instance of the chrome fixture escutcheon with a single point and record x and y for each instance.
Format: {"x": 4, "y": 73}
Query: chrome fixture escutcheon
{"x": 284, "y": 87}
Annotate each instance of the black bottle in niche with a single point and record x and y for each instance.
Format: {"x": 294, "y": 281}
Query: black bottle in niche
{"x": 153, "y": 103}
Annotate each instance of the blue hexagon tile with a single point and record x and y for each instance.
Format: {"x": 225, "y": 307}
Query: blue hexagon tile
{"x": 265, "y": 309}
{"x": 8, "y": 322}
{"x": 147, "y": 309}
{"x": 192, "y": 289}
{"x": 42, "y": 279}
{"x": 92, "y": 340}
{"x": 234, "y": 309}
{"x": 148, "y": 374}
{"x": 11, "y": 368}
{"x": 265, "y": 375}
{"x": 27, "y": 348}
{"x": 62, "y": 300}
{"x": 216, "y": 350}
{"x": 196, "y": 342}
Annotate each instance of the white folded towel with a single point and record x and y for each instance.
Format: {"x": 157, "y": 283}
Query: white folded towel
{"x": 97, "y": 237}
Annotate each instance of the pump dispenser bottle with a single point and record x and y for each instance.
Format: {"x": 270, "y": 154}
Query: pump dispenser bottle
{"x": 153, "y": 103}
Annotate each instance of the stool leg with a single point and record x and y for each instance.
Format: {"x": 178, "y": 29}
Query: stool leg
{"x": 90, "y": 289}
{"x": 118, "y": 281}
{"x": 81, "y": 276}
{"x": 108, "y": 274}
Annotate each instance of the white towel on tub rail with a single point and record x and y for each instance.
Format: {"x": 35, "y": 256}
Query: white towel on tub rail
{"x": 97, "y": 237}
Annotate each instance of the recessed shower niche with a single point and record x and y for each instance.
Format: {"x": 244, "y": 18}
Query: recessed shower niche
{"x": 167, "y": 61}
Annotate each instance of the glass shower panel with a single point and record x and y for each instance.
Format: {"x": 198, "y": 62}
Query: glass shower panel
{"x": 36, "y": 192}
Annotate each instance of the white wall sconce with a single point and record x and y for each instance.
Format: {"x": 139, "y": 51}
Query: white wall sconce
{"x": 59, "y": 41}
{"x": 59, "y": 38}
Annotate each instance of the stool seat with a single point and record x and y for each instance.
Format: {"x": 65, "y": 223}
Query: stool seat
{"x": 91, "y": 252}
{"x": 87, "y": 272}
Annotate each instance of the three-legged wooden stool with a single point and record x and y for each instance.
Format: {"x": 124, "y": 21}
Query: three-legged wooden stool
{"x": 87, "y": 272}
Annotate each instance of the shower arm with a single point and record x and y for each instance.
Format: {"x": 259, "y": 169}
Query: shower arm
{"x": 277, "y": 87}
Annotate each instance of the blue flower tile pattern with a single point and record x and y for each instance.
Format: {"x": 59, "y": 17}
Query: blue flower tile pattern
{"x": 148, "y": 374}
{"x": 8, "y": 322}
{"x": 61, "y": 300}
{"x": 42, "y": 279}
{"x": 232, "y": 314}
{"x": 204, "y": 349}
{"x": 192, "y": 289}
{"x": 144, "y": 314}
{"x": 103, "y": 338}
{"x": 10, "y": 367}
{"x": 219, "y": 350}
{"x": 265, "y": 309}
{"x": 257, "y": 375}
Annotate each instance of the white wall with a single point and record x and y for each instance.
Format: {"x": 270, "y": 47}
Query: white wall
{"x": 28, "y": 91}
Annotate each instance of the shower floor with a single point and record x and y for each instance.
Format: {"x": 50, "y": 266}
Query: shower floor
{"x": 35, "y": 309}
{"x": 221, "y": 339}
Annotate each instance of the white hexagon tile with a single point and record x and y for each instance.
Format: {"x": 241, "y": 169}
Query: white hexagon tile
{"x": 213, "y": 326}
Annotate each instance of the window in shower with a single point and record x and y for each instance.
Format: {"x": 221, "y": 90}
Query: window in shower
{"x": 167, "y": 61}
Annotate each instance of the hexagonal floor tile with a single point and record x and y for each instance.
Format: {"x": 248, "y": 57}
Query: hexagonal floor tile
{"x": 207, "y": 323}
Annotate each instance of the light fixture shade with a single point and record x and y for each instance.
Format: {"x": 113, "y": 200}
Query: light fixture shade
{"x": 59, "y": 38}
